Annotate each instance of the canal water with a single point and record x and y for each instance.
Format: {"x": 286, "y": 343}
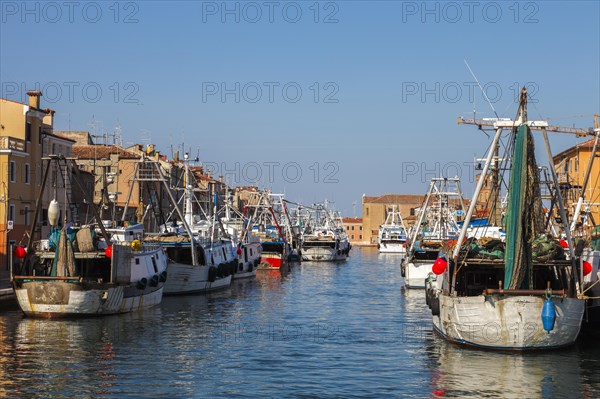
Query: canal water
{"x": 321, "y": 331}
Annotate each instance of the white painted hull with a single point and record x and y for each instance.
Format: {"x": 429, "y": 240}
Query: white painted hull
{"x": 507, "y": 322}
{"x": 590, "y": 281}
{"x": 323, "y": 254}
{"x": 416, "y": 273}
{"x": 111, "y": 300}
{"x": 396, "y": 248}
{"x": 189, "y": 279}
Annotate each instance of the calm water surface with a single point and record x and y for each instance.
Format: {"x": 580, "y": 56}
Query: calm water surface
{"x": 323, "y": 330}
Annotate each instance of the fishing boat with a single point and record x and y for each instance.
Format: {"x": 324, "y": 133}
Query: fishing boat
{"x": 392, "y": 234}
{"x": 527, "y": 297}
{"x": 327, "y": 240}
{"x": 436, "y": 225}
{"x": 201, "y": 258}
{"x": 247, "y": 245}
{"x": 271, "y": 224}
{"x": 87, "y": 270}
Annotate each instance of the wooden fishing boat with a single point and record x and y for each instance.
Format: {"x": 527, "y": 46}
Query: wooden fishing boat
{"x": 74, "y": 273}
{"x": 527, "y": 299}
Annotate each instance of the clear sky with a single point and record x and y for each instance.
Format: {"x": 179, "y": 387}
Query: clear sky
{"x": 318, "y": 100}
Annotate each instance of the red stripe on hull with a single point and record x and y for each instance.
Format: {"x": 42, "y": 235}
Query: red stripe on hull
{"x": 274, "y": 262}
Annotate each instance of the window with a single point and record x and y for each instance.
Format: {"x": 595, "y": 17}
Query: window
{"x": 13, "y": 172}
{"x": 412, "y": 211}
{"x": 352, "y": 227}
{"x": 347, "y": 227}
{"x": 352, "y": 236}
{"x": 26, "y": 216}
{"x": 28, "y": 131}
{"x": 26, "y": 173}
{"x": 367, "y": 211}
{"x": 360, "y": 228}
{"x": 11, "y": 213}
{"x": 44, "y": 216}
{"x": 360, "y": 236}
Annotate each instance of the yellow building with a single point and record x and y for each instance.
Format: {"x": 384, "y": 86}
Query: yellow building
{"x": 571, "y": 166}
{"x": 22, "y": 127}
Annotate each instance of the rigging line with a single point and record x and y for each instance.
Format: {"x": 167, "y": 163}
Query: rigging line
{"x": 481, "y": 88}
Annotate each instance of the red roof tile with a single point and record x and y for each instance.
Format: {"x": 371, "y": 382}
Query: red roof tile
{"x": 101, "y": 151}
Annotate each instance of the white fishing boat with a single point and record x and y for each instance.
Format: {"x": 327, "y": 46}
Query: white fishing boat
{"x": 328, "y": 240}
{"x": 392, "y": 234}
{"x": 529, "y": 297}
{"x": 74, "y": 273}
{"x": 201, "y": 258}
{"x": 247, "y": 245}
{"x": 436, "y": 225}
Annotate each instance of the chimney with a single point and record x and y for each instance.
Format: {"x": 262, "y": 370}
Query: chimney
{"x": 34, "y": 98}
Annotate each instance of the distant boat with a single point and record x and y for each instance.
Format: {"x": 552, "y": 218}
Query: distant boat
{"x": 392, "y": 234}
{"x": 326, "y": 239}
{"x": 436, "y": 225}
{"x": 523, "y": 294}
{"x": 77, "y": 273}
{"x": 271, "y": 224}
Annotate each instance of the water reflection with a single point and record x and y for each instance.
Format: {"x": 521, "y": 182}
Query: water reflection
{"x": 322, "y": 330}
{"x": 459, "y": 372}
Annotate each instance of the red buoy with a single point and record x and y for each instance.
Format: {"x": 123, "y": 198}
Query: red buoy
{"x": 239, "y": 251}
{"x": 564, "y": 244}
{"x": 439, "y": 266}
{"x": 587, "y": 268}
{"x": 19, "y": 252}
{"x": 108, "y": 251}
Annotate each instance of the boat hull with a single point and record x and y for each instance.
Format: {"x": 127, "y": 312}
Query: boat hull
{"x": 395, "y": 248}
{"x": 507, "y": 322}
{"x": 323, "y": 254}
{"x": 46, "y": 299}
{"x": 271, "y": 261}
{"x": 416, "y": 272}
{"x": 190, "y": 279}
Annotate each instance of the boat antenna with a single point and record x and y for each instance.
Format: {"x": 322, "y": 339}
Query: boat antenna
{"x": 481, "y": 88}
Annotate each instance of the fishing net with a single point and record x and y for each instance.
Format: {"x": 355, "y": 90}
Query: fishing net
{"x": 63, "y": 264}
{"x": 524, "y": 218}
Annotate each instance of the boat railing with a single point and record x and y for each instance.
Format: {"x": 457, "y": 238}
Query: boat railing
{"x": 49, "y": 278}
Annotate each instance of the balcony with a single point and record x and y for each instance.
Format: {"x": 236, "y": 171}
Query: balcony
{"x": 11, "y": 143}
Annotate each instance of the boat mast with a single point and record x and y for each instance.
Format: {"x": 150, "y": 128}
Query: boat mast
{"x": 480, "y": 183}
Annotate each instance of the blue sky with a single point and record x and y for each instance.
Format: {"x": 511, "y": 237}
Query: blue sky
{"x": 314, "y": 99}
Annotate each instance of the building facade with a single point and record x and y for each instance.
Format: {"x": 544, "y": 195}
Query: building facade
{"x": 376, "y": 209}
{"x": 22, "y": 127}
{"x": 571, "y": 166}
{"x": 354, "y": 229}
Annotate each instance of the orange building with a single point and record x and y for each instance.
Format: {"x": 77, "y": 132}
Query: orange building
{"x": 354, "y": 229}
